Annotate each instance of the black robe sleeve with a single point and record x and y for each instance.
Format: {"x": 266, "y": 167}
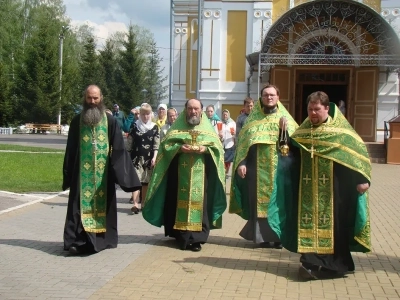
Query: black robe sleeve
{"x": 71, "y": 153}
{"x": 120, "y": 162}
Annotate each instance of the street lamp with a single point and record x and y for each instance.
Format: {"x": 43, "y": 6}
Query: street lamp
{"x": 144, "y": 92}
{"x": 158, "y": 95}
{"x": 61, "y": 37}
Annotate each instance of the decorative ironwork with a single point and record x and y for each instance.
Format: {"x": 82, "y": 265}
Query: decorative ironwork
{"x": 333, "y": 59}
{"x": 330, "y": 32}
{"x": 323, "y": 77}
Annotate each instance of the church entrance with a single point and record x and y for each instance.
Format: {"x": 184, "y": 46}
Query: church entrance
{"x": 356, "y": 86}
{"x": 334, "y": 84}
{"x": 332, "y": 46}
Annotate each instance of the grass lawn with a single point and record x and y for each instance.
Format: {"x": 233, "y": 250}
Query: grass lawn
{"x": 22, "y": 172}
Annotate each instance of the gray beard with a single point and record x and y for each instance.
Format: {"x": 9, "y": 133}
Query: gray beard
{"x": 193, "y": 120}
{"x": 92, "y": 115}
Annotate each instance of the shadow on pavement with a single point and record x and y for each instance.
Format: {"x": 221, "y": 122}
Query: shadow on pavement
{"x": 53, "y": 248}
{"x": 57, "y": 248}
{"x": 156, "y": 240}
{"x": 55, "y": 203}
{"x": 287, "y": 270}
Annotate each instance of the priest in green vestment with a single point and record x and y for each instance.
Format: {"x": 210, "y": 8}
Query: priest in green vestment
{"x": 319, "y": 206}
{"x": 254, "y": 167}
{"x": 186, "y": 193}
{"x": 95, "y": 160}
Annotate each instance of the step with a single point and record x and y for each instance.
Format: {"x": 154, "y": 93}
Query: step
{"x": 377, "y": 152}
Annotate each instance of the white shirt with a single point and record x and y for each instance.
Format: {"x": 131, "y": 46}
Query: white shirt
{"x": 163, "y": 130}
{"x": 228, "y": 140}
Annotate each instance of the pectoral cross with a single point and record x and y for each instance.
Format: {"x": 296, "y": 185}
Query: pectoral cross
{"x": 94, "y": 142}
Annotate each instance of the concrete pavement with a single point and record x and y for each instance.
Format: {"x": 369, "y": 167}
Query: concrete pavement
{"x": 55, "y": 141}
{"x": 146, "y": 265}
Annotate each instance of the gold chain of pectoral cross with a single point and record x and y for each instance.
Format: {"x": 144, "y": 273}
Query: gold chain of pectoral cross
{"x": 94, "y": 148}
{"x": 94, "y": 142}
{"x": 312, "y": 140}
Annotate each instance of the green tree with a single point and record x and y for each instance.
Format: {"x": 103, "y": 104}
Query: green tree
{"x": 10, "y": 55}
{"x": 154, "y": 80}
{"x": 91, "y": 72}
{"x": 75, "y": 48}
{"x": 71, "y": 93}
{"x": 6, "y": 103}
{"x": 38, "y": 82}
{"x": 109, "y": 64}
{"x": 130, "y": 74}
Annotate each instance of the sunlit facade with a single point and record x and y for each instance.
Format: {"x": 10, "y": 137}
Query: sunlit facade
{"x": 349, "y": 49}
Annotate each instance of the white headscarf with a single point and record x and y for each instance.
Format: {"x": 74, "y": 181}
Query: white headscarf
{"x": 144, "y": 127}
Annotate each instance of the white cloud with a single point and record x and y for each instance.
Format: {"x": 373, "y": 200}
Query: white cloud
{"x": 102, "y": 31}
{"x": 107, "y": 17}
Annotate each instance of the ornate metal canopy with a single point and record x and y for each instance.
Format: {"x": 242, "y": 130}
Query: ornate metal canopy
{"x": 331, "y": 32}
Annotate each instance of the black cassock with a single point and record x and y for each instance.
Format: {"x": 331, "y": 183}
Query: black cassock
{"x": 120, "y": 171}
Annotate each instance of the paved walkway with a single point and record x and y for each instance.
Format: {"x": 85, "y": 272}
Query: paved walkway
{"x": 146, "y": 265}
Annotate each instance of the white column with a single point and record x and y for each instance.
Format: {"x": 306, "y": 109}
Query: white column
{"x": 211, "y": 63}
{"x": 262, "y": 21}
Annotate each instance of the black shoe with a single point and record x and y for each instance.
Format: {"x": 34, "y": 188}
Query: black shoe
{"x": 196, "y": 247}
{"x": 278, "y": 245}
{"x": 135, "y": 210}
{"x": 265, "y": 245}
{"x": 74, "y": 250}
{"x": 307, "y": 274}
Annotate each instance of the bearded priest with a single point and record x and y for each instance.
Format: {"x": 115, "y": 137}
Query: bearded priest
{"x": 95, "y": 160}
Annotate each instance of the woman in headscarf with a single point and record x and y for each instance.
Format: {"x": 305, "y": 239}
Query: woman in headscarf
{"x": 143, "y": 142}
{"x": 227, "y": 136}
{"x": 212, "y": 116}
{"x": 342, "y": 107}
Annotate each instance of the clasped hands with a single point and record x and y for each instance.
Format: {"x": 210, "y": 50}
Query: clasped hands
{"x": 185, "y": 148}
{"x": 283, "y": 123}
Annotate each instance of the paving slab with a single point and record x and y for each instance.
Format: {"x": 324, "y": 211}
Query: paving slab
{"x": 146, "y": 265}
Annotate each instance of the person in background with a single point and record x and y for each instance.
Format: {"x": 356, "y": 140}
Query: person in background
{"x": 119, "y": 116}
{"x": 227, "y": 137}
{"x": 172, "y": 114}
{"x": 248, "y": 106}
{"x": 342, "y": 107}
{"x": 161, "y": 115}
{"x": 132, "y": 117}
{"x": 211, "y": 115}
{"x": 142, "y": 143}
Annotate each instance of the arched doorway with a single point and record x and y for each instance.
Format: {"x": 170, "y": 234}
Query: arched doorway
{"x": 337, "y": 46}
